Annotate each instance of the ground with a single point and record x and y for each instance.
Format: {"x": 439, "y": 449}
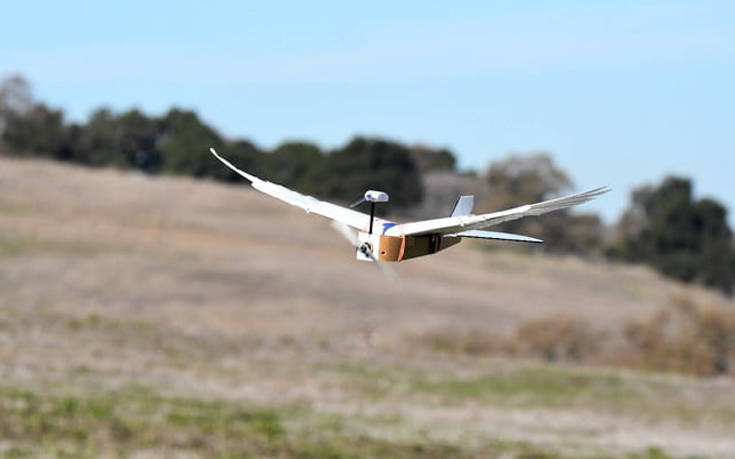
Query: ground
{"x": 173, "y": 317}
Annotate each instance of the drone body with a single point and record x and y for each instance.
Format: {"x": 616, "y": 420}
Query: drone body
{"x": 379, "y": 240}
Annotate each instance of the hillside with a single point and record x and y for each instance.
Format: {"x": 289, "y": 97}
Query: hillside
{"x": 144, "y": 315}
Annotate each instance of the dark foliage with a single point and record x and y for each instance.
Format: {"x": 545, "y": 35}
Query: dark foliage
{"x": 685, "y": 239}
{"x": 39, "y": 131}
{"x": 185, "y": 143}
{"x": 178, "y": 143}
{"x": 125, "y": 140}
{"x": 294, "y": 163}
{"x": 429, "y": 159}
{"x": 363, "y": 164}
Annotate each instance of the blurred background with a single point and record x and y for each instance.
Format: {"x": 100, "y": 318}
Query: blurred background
{"x": 153, "y": 304}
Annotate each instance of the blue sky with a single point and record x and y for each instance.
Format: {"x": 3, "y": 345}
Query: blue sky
{"x": 621, "y": 93}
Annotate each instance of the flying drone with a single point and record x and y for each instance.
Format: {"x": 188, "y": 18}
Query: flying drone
{"x": 379, "y": 240}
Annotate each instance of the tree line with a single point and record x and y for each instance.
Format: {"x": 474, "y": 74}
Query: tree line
{"x": 178, "y": 142}
{"x": 664, "y": 226}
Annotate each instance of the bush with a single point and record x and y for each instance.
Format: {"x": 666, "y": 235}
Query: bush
{"x": 681, "y": 337}
{"x": 558, "y": 338}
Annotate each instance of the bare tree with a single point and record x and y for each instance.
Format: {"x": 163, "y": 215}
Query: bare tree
{"x": 523, "y": 179}
{"x": 15, "y": 95}
{"x": 15, "y": 98}
{"x": 520, "y": 179}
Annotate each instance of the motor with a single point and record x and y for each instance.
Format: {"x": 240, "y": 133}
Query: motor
{"x": 367, "y": 249}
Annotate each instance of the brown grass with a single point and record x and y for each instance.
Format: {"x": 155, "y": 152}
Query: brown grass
{"x": 558, "y": 338}
{"x": 201, "y": 293}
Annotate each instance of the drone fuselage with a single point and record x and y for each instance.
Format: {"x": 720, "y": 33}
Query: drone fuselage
{"x": 399, "y": 248}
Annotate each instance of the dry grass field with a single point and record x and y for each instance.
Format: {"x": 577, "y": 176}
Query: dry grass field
{"x": 167, "y": 317}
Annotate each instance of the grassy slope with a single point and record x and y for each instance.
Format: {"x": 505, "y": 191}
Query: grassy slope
{"x": 156, "y": 316}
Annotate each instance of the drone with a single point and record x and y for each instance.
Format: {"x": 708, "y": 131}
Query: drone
{"x": 379, "y": 240}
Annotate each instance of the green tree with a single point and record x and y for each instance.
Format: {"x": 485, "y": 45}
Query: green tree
{"x": 139, "y": 140}
{"x": 364, "y": 164}
{"x": 39, "y": 131}
{"x": 97, "y": 142}
{"x": 185, "y": 144}
{"x": 685, "y": 239}
{"x": 292, "y": 164}
{"x": 717, "y": 253}
{"x": 29, "y": 128}
{"x": 126, "y": 140}
{"x": 429, "y": 159}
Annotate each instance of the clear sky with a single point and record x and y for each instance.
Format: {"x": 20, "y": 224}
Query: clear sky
{"x": 621, "y": 93}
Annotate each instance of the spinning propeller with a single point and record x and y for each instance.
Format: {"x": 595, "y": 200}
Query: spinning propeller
{"x": 364, "y": 247}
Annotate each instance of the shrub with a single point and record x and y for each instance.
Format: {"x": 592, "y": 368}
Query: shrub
{"x": 558, "y": 338}
{"x": 681, "y": 337}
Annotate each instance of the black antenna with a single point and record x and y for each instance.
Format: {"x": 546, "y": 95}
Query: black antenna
{"x": 372, "y": 216}
{"x": 372, "y": 197}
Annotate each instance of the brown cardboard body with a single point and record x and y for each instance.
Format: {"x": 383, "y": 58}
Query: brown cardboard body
{"x": 405, "y": 247}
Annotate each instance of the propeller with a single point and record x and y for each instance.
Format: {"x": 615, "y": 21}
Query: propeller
{"x": 351, "y": 236}
{"x": 346, "y": 232}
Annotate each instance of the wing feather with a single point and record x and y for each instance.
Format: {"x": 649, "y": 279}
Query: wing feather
{"x": 450, "y": 225}
{"x": 310, "y": 204}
